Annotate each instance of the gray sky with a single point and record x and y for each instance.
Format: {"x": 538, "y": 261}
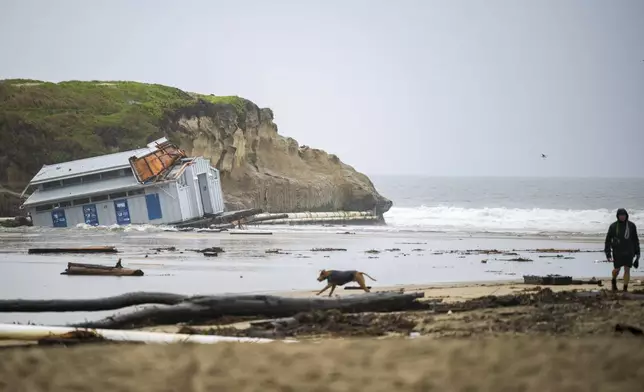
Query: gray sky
{"x": 467, "y": 87}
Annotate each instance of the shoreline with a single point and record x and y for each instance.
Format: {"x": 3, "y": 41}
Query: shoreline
{"x": 466, "y": 289}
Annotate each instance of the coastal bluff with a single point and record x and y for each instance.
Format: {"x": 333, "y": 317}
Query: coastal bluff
{"x": 44, "y": 123}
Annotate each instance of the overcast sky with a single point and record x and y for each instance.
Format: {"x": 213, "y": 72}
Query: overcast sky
{"x": 449, "y": 87}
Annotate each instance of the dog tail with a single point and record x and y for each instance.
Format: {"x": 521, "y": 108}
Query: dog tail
{"x": 366, "y": 274}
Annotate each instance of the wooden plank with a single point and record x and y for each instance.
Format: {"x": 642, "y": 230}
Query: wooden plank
{"x": 85, "y": 249}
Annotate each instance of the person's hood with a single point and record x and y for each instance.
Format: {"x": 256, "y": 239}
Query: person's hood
{"x": 620, "y": 212}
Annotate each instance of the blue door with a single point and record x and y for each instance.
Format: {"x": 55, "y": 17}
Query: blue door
{"x": 122, "y": 212}
{"x": 154, "y": 206}
{"x": 91, "y": 217}
{"x": 58, "y": 217}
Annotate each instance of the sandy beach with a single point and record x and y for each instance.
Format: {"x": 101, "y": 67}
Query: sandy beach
{"x": 554, "y": 343}
{"x": 482, "y": 315}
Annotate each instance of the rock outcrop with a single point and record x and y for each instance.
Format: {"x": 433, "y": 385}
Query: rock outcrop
{"x": 259, "y": 167}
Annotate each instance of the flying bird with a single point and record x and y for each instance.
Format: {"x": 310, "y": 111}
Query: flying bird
{"x": 543, "y": 156}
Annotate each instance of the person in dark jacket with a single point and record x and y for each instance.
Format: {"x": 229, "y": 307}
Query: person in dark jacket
{"x": 622, "y": 246}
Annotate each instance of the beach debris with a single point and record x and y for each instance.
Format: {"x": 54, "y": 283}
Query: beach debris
{"x": 355, "y": 287}
{"x": 412, "y": 243}
{"x": 251, "y": 233}
{"x": 372, "y": 251}
{"x": 556, "y": 257}
{"x": 554, "y": 250}
{"x": 215, "y": 249}
{"x": 328, "y": 250}
{"x": 327, "y": 322}
{"x": 510, "y": 254}
{"x": 101, "y": 270}
{"x": 418, "y": 250}
{"x": 72, "y": 338}
{"x": 392, "y": 250}
{"x": 520, "y": 259}
{"x": 276, "y": 251}
{"x": 347, "y": 232}
{"x": 167, "y": 249}
{"x": 86, "y": 249}
{"x": 210, "y": 254}
{"x": 484, "y": 261}
{"x": 205, "y": 308}
{"x": 558, "y": 280}
{"x": 629, "y": 328}
{"x": 47, "y": 333}
{"x": 374, "y": 257}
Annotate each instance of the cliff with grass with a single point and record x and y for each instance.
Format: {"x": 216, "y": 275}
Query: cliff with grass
{"x": 44, "y": 123}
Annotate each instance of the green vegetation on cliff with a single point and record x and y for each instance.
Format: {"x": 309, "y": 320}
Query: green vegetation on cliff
{"x": 43, "y": 122}
{"x": 73, "y": 120}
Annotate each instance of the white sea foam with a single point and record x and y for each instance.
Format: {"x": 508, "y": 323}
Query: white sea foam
{"x": 517, "y": 220}
{"x": 452, "y": 219}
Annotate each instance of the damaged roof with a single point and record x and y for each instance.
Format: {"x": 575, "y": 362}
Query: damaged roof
{"x": 97, "y": 164}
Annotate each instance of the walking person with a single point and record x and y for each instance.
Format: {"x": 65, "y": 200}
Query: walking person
{"x": 622, "y": 246}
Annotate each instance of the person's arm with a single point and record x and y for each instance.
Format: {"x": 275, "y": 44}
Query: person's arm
{"x": 608, "y": 242}
{"x": 636, "y": 240}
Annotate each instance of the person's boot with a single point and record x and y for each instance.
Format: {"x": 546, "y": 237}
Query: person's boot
{"x": 614, "y": 284}
{"x": 625, "y": 288}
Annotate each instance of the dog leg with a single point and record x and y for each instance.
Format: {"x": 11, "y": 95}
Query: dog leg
{"x": 324, "y": 289}
{"x": 332, "y": 288}
{"x": 361, "y": 282}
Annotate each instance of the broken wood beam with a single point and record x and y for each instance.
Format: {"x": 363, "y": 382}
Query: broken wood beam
{"x": 208, "y": 308}
{"x": 86, "y": 249}
{"x": 251, "y": 233}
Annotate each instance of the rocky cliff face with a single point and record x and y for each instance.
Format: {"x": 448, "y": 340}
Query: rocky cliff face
{"x": 262, "y": 169}
{"x": 44, "y": 123}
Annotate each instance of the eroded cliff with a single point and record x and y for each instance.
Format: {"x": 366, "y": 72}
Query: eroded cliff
{"x": 43, "y": 123}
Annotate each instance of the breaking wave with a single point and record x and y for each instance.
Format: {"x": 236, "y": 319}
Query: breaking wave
{"x": 440, "y": 219}
{"x": 505, "y": 220}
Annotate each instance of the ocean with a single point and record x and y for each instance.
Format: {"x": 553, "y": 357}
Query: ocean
{"x": 542, "y": 206}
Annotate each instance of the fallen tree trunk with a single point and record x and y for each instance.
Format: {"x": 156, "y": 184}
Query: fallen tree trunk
{"x": 207, "y": 308}
{"x": 89, "y": 305}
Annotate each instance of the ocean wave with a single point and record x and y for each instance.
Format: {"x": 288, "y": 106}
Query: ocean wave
{"x": 516, "y": 220}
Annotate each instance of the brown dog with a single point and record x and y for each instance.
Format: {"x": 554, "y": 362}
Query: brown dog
{"x": 339, "y": 278}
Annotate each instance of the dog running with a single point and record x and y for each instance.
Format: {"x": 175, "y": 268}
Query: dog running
{"x": 339, "y": 278}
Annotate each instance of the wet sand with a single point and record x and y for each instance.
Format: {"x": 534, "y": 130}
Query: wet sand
{"x": 400, "y": 258}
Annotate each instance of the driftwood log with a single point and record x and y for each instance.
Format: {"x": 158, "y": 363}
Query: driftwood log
{"x": 89, "y": 305}
{"x": 207, "y": 308}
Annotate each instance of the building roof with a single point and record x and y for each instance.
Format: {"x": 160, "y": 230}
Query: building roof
{"x": 81, "y": 190}
{"x": 98, "y": 164}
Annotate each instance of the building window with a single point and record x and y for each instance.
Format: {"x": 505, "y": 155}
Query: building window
{"x": 128, "y": 172}
{"x": 118, "y": 195}
{"x": 91, "y": 178}
{"x": 79, "y": 202}
{"x": 72, "y": 181}
{"x": 64, "y": 204}
{"x": 99, "y": 198}
{"x": 110, "y": 174}
{"x": 51, "y": 185}
{"x": 135, "y": 192}
{"x": 182, "y": 180}
{"x": 45, "y": 207}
